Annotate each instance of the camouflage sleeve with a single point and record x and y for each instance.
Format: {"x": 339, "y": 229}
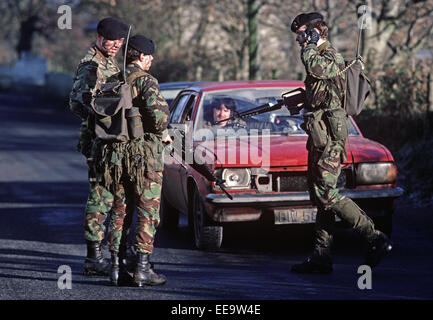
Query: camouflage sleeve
{"x": 319, "y": 66}
{"x": 84, "y": 82}
{"x": 153, "y": 107}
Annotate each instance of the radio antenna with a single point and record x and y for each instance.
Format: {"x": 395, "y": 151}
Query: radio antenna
{"x": 124, "y": 54}
{"x": 361, "y": 27}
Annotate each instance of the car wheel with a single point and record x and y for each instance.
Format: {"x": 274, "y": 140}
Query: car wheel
{"x": 384, "y": 223}
{"x": 169, "y": 215}
{"x": 206, "y": 236}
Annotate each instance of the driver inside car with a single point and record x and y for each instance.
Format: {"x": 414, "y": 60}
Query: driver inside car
{"x": 222, "y": 108}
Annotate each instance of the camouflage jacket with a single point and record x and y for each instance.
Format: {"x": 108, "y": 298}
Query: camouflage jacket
{"x": 323, "y": 83}
{"x": 154, "y": 111}
{"x": 147, "y": 97}
{"x": 93, "y": 70}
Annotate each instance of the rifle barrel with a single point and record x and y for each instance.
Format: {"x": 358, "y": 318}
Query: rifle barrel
{"x": 267, "y": 107}
{"x": 225, "y": 191}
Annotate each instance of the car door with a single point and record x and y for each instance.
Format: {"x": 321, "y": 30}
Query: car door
{"x": 185, "y": 122}
{"x": 172, "y": 184}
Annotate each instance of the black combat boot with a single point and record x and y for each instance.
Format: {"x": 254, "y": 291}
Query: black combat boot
{"x": 125, "y": 268}
{"x": 312, "y": 265}
{"x": 144, "y": 274}
{"x": 114, "y": 275}
{"x": 320, "y": 261}
{"x": 377, "y": 249}
{"x": 95, "y": 264}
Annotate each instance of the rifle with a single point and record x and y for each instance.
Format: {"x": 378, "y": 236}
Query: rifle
{"x": 293, "y": 100}
{"x": 203, "y": 169}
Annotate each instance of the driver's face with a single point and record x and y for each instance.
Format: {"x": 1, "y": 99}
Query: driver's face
{"x": 221, "y": 113}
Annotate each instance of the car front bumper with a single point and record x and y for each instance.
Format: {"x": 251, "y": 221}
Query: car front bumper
{"x": 292, "y": 198}
{"x": 291, "y": 207}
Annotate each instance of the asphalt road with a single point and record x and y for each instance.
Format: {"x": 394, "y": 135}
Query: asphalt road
{"x": 43, "y": 189}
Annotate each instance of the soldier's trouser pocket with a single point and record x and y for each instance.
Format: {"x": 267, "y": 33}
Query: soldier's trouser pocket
{"x": 338, "y": 123}
{"x": 154, "y": 152}
{"x": 316, "y": 128}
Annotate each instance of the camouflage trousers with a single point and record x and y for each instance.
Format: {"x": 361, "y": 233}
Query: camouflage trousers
{"x": 324, "y": 167}
{"x": 99, "y": 203}
{"x": 147, "y": 200}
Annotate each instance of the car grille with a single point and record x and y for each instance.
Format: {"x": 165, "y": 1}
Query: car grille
{"x": 297, "y": 181}
{"x": 290, "y": 182}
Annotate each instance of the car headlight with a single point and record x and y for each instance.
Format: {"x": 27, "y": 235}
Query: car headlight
{"x": 236, "y": 178}
{"x": 376, "y": 173}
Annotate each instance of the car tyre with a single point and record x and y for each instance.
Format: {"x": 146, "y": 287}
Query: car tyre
{"x": 206, "y": 236}
{"x": 169, "y": 215}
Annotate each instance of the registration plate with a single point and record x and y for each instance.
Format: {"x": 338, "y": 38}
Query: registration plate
{"x": 296, "y": 215}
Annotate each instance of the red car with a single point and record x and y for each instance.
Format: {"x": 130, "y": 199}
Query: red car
{"x": 262, "y": 161}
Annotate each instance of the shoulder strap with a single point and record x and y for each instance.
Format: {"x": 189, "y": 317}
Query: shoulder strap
{"x": 134, "y": 76}
{"x": 330, "y": 81}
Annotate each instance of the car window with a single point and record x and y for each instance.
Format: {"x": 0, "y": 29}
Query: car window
{"x": 183, "y": 113}
{"x": 177, "y": 110}
{"x": 187, "y": 111}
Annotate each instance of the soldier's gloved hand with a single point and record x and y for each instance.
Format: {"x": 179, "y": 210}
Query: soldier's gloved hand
{"x": 312, "y": 35}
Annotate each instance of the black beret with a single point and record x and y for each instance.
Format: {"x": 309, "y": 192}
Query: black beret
{"x": 112, "y": 28}
{"x": 142, "y": 44}
{"x": 304, "y": 19}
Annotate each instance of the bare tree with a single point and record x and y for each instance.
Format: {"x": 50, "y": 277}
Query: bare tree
{"x": 29, "y": 18}
{"x": 398, "y": 29}
{"x": 253, "y": 44}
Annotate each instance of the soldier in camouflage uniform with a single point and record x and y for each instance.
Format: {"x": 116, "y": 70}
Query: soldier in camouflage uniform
{"x": 142, "y": 164}
{"x": 97, "y": 66}
{"x": 325, "y": 84}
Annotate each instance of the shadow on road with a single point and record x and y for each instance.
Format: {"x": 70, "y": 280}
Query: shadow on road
{"x": 24, "y": 264}
{"x": 258, "y": 238}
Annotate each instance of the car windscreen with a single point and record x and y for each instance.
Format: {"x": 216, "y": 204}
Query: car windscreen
{"x": 278, "y": 122}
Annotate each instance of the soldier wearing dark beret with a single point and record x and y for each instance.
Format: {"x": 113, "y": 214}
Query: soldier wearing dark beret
{"x": 111, "y": 35}
{"x": 299, "y": 25}
{"x": 325, "y": 88}
{"x": 112, "y": 29}
{"x": 144, "y": 164}
{"x": 97, "y": 66}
